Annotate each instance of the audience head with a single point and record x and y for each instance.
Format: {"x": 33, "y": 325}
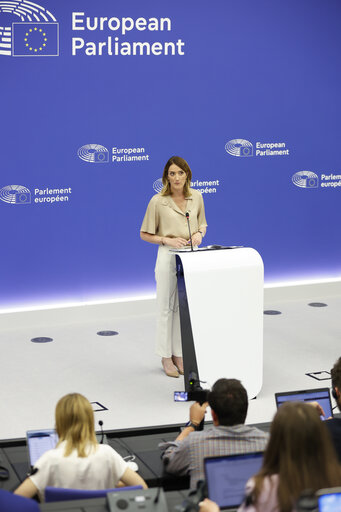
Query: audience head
{"x": 75, "y": 423}
{"x": 229, "y": 402}
{"x": 300, "y": 452}
{"x": 336, "y": 381}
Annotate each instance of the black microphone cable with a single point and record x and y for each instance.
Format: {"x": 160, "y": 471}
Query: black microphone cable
{"x": 157, "y": 495}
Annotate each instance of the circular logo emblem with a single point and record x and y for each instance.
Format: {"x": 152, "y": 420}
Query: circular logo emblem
{"x": 93, "y": 153}
{"x": 15, "y": 194}
{"x": 239, "y": 147}
{"x": 158, "y": 185}
{"x": 305, "y": 179}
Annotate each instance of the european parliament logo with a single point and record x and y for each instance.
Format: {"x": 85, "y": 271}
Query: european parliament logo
{"x": 239, "y": 147}
{"x": 15, "y": 194}
{"x": 93, "y": 153}
{"x": 305, "y": 179}
{"x": 158, "y": 185}
{"x": 36, "y": 35}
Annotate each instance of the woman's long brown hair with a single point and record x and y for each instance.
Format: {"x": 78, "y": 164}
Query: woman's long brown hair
{"x": 300, "y": 452}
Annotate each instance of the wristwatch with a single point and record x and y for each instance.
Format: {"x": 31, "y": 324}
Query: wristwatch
{"x": 190, "y": 424}
{"x": 202, "y": 234}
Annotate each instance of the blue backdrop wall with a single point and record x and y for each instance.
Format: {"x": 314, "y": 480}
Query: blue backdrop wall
{"x": 95, "y": 96}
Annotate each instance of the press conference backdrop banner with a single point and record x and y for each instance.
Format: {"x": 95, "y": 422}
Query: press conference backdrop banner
{"x": 96, "y": 96}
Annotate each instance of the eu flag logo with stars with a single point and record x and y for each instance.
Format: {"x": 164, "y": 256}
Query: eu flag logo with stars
{"x": 35, "y": 39}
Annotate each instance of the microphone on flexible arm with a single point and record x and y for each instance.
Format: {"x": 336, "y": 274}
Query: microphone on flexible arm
{"x": 189, "y": 230}
{"x": 101, "y": 425}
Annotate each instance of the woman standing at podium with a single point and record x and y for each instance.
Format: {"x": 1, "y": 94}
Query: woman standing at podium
{"x": 165, "y": 224}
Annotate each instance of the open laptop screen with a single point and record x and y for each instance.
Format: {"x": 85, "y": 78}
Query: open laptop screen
{"x": 322, "y": 396}
{"x": 331, "y": 501}
{"x": 38, "y": 442}
{"x": 226, "y": 477}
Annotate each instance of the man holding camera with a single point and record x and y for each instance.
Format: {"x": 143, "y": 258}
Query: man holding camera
{"x": 228, "y": 435}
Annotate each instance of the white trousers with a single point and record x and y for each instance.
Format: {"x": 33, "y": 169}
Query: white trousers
{"x": 168, "y": 335}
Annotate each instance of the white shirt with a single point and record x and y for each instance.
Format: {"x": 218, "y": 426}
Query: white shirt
{"x": 101, "y": 469}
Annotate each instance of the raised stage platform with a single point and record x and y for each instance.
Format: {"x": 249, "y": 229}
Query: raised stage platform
{"x": 124, "y": 376}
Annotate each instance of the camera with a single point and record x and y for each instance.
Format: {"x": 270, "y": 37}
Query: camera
{"x": 199, "y": 395}
{"x": 195, "y": 392}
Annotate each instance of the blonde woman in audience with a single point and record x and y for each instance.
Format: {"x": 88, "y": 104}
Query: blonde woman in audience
{"x": 299, "y": 456}
{"x": 78, "y": 461}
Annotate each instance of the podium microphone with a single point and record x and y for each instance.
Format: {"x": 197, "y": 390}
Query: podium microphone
{"x": 189, "y": 230}
{"x": 101, "y": 425}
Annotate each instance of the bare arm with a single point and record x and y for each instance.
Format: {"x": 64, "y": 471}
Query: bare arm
{"x": 196, "y": 415}
{"x": 130, "y": 478}
{"x": 152, "y": 239}
{"x": 26, "y": 489}
{"x": 177, "y": 243}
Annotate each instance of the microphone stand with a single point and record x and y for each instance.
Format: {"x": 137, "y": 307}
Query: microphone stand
{"x": 189, "y": 230}
{"x": 101, "y": 425}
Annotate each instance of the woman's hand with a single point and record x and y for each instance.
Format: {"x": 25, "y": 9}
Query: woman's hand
{"x": 177, "y": 243}
{"x": 196, "y": 238}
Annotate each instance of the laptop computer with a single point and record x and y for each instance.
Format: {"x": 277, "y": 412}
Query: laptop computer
{"x": 38, "y": 442}
{"x": 322, "y": 396}
{"x": 329, "y": 500}
{"x": 227, "y": 475}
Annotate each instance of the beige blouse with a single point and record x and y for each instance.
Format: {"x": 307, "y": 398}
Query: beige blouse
{"x": 164, "y": 218}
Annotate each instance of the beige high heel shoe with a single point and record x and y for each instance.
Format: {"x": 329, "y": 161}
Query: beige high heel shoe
{"x": 169, "y": 368}
{"x": 178, "y": 362}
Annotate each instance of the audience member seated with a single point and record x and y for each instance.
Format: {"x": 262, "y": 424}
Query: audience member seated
{"x": 229, "y": 403}
{"x": 334, "y": 424}
{"x": 299, "y": 456}
{"x": 78, "y": 461}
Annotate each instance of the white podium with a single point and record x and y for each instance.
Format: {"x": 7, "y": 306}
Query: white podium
{"x": 221, "y": 314}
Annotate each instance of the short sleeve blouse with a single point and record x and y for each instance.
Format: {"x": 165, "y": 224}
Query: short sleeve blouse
{"x": 164, "y": 218}
{"x": 101, "y": 469}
